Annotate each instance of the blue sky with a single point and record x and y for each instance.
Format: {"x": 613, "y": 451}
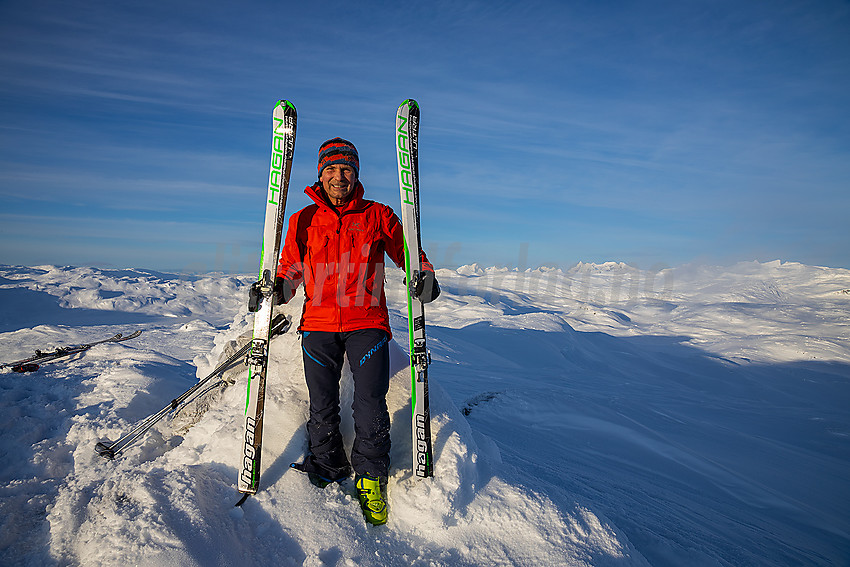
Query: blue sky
{"x": 138, "y": 134}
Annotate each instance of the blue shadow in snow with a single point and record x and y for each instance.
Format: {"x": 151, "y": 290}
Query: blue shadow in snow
{"x": 24, "y": 308}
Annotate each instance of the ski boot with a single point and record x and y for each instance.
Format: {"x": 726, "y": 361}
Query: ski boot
{"x": 372, "y": 501}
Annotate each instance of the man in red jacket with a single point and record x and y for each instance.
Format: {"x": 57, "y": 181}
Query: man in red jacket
{"x": 336, "y": 248}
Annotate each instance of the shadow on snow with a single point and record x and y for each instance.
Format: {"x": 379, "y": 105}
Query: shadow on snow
{"x": 697, "y": 458}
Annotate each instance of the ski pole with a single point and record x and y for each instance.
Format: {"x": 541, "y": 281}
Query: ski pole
{"x": 110, "y": 450}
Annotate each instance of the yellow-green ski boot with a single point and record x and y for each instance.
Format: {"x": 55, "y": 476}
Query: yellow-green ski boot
{"x": 372, "y": 500}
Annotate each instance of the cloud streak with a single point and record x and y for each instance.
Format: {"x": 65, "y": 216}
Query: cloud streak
{"x": 662, "y": 130}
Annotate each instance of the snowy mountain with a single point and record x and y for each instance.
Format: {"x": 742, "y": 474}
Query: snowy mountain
{"x": 603, "y": 416}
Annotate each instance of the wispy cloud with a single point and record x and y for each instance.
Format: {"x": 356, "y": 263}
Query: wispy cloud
{"x": 663, "y": 130}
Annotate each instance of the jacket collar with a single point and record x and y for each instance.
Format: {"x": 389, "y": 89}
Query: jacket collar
{"x": 355, "y": 203}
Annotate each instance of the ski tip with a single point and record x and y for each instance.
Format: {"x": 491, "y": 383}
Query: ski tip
{"x": 410, "y": 103}
{"x": 287, "y": 105}
{"x": 242, "y": 500}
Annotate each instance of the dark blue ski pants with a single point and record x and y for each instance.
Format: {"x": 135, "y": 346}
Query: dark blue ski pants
{"x": 368, "y": 356}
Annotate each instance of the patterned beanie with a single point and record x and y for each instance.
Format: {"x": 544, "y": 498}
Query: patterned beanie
{"x": 338, "y": 151}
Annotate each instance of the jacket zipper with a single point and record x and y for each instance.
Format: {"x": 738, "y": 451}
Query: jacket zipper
{"x": 338, "y": 298}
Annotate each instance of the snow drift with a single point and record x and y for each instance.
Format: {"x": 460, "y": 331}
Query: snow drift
{"x": 599, "y": 416}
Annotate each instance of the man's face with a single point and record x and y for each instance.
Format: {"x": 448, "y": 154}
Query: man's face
{"x": 338, "y": 181}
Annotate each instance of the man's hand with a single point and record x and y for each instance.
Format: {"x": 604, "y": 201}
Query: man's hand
{"x": 255, "y": 296}
{"x": 424, "y": 287}
{"x": 283, "y": 291}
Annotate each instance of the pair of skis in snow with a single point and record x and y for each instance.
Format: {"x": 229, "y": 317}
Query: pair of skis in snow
{"x": 283, "y": 144}
{"x": 111, "y": 449}
{"x": 34, "y": 362}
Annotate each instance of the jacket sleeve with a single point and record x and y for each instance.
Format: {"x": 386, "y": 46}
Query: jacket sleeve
{"x": 395, "y": 241}
{"x": 291, "y": 265}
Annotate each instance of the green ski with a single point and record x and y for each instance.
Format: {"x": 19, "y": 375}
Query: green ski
{"x": 262, "y": 297}
{"x": 407, "y": 145}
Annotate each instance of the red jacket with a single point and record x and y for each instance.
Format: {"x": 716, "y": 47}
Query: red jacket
{"x": 338, "y": 253}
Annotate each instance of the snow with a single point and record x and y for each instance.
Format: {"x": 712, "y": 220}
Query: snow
{"x": 602, "y": 415}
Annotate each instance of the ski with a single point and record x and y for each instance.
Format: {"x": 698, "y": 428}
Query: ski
{"x": 262, "y": 297}
{"x": 33, "y": 363}
{"x": 109, "y": 450}
{"x": 407, "y": 152}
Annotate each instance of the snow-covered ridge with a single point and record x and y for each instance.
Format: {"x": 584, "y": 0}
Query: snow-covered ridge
{"x": 130, "y": 290}
{"x": 601, "y": 415}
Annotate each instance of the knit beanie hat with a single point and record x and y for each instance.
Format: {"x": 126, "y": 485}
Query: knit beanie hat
{"x": 338, "y": 151}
